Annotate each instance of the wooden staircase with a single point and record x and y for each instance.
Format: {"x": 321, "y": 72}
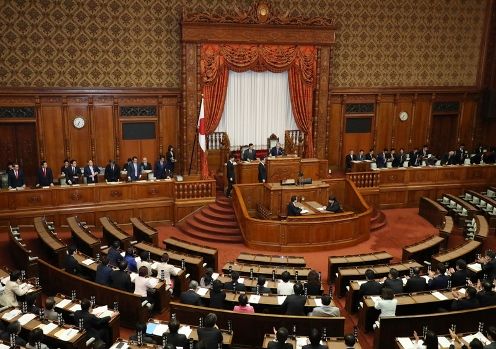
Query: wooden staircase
{"x": 215, "y": 222}
{"x": 377, "y": 221}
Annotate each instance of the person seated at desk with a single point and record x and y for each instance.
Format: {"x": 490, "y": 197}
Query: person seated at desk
{"x": 165, "y": 270}
{"x": 313, "y": 284}
{"x": 370, "y": 155}
{"x": 370, "y": 287}
{"x": 486, "y": 295}
{"x": 438, "y": 279}
{"x": 249, "y": 154}
{"x": 14, "y": 328}
{"x": 333, "y": 205}
{"x": 174, "y": 337}
{"x": 103, "y": 272}
{"x": 171, "y": 160}
{"x": 112, "y": 172}
{"x": 243, "y": 306}
{"x": 393, "y": 281}
{"x": 114, "y": 253}
{"x": 387, "y": 303}
{"x": 71, "y": 265}
{"x": 382, "y": 159}
{"x": 72, "y": 173}
{"x": 326, "y": 309}
{"x": 430, "y": 340}
{"x": 491, "y": 335}
{"x": 145, "y": 165}
{"x": 120, "y": 279}
{"x": 314, "y": 338}
{"x": 64, "y": 167}
{"x": 459, "y": 275}
{"x": 15, "y": 178}
{"x": 284, "y": 287}
{"x": 415, "y": 158}
{"x": 399, "y": 158}
{"x": 282, "y": 335}
{"x": 190, "y": 296}
{"x": 30, "y": 300}
{"x": 210, "y": 335}
{"x": 449, "y": 159}
{"x": 133, "y": 170}
{"x": 132, "y": 265}
{"x": 145, "y": 262}
{"x": 349, "y": 341}
{"x": 234, "y": 285}
{"x": 141, "y": 331}
{"x": 49, "y": 312}
{"x": 91, "y": 172}
{"x": 217, "y": 295}
{"x": 207, "y": 279}
{"x": 488, "y": 263}
{"x": 44, "y": 176}
{"x": 143, "y": 285}
{"x": 294, "y": 210}
{"x": 35, "y": 337}
{"x": 469, "y": 301}
{"x": 348, "y": 160}
{"x": 294, "y": 304}
{"x": 361, "y": 155}
{"x": 94, "y": 326}
{"x": 415, "y": 283}
{"x": 262, "y": 171}
{"x": 277, "y": 150}
{"x": 261, "y": 280}
{"x": 460, "y": 154}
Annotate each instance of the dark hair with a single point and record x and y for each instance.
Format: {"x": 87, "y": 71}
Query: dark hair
{"x": 116, "y": 244}
{"x": 104, "y": 260}
{"x": 441, "y": 268}
{"x": 207, "y": 278}
{"x": 141, "y": 327}
{"x": 243, "y": 300}
{"x": 325, "y": 299}
{"x": 285, "y": 276}
{"x": 416, "y": 271}
{"x": 43, "y": 162}
{"x": 261, "y": 280}
{"x": 170, "y": 147}
{"x": 234, "y": 276}
{"x": 250, "y": 144}
{"x": 332, "y": 198}
{"x": 165, "y": 257}
{"x": 123, "y": 265}
{"x": 282, "y": 334}
{"x": 298, "y": 288}
{"x": 394, "y": 273}
{"x": 130, "y": 252}
{"x": 430, "y": 340}
{"x": 71, "y": 250}
{"x": 314, "y": 336}
{"x": 14, "y": 327}
{"x": 15, "y": 275}
{"x": 35, "y": 336}
{"x": 387, "y": 293}
{"x": 72, "y": 161}
{"x": 210, "y": 320}
{"x": 174, "y": 326}
{"x": 476, "y": 344}
{"x": 143, "y": 271}
{"x": 217, "y": 286}
{"x": 487, "y": 286}
{"x": 85, "y": 304}
{"x": 471, "y": 292}
{"x": 313, "y": 278}
{"x": 293, "y": 198}
{"x": 491, "y": 332}
{"x": 490, "y": 254}
{"x": 369, "y": 274}
{"x": 349, "y": 340}
{"x": 144, "y": 256}
{"x": 30, "y": 299}
{"x": 461, "y": 264}
{"x": 49, "y": 303}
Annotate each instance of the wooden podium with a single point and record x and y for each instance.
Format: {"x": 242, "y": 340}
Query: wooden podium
{"x": 282, "y": 167}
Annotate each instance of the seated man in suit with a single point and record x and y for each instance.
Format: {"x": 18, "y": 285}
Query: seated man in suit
{"x": 439, "y": 280}
{"x": 91, "y": 172}
{"x": 370, "y": 155}
{"x": 103, "y": 272}
{"x": 415, "y": 283}
{"x": 382, "y": 159}
{"x": 294, "y": 210}
{"x": 449, "y": 158}
{"x": 333, "y": 205}
{"x": 467, "y": 301}
{"x": 112, "y": 172}
{"x": 294, "y": 304}
{"x": 415, "y": 159}
{"x": 133, "y": 170}
{"x": 361, "y": 155}
{"x": 285, "y": 287}
{"x": 277, "y": 150}
{"x": 234, "y": 284}
{"x": 120, "y": 279}
{"x": 460, "y": 154}
{"x": 16, "y": 178}
{"x": 314, "y": 338}
{"x": 94, "y": 326}
{"x": 145, "y": 165}
{"x": 141, "y": 331}
{"x": 249, "y": 154}
{"x": 190, "y": 296}
{"x": 175, "y": 338}
{"x": 487, "y": 296}
{"x": 393, "y": 281}
{"x": 326, "y": 309}
{"x": 13, "y": 328}
{"x": 44, "y": 176}
{"x": 64, "y": 167}
{"x": 488, "y": 263}
{"x": 160, "y": 166}
{"x": 72, "y": 173}
{"x": 459, "y": 275}
{"x": 71, "y": 265}
{"x": 262, "y": 171}
{"x": 282, "y": 335}
{"x": 260, "y": 287}
{"x": 399, "y": 158}
{"x": 370, "y": 287}
{"x": 210, "y": 336}
{"x": 349, "y": 158}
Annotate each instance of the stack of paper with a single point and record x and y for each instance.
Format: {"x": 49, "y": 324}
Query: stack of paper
{"x": 215, "y": 276}
{"x": 477, "y": 335}
{"x": 186, "y": 330}
{"x": 11, "y": 314}
{"x": 75, "y": 308}
{"x": 406, "y": 342}
{"x": 119, "y": 345}
{"x": 3, "y": 346}
{"x": 301, "y": 341}
{"x": 88, "y": 261}
{"x": 318, "y": 302}
{"x": 106, "y": 313}
{"x": 241, "y": 280}
{"x": 154, "y": 282}
{"x": 160, "y": 329}
{"x": 66, "y": 334}
{"x": 99, "y": 310}
{"x": 202, "y": 291}
{"x": 63, "y": 303}
{"x": 26, "y": 318}
{"x": 476, "y": 267}
{"x": 439, "y": 296}
{"x": 254, "y": 299}
{"x": 443, "y": 342}
{"x": 281, "y": 299}
{"x": 47, "y": 328}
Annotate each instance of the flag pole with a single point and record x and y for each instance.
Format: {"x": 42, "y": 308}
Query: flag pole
{"x": 196, "y": 136}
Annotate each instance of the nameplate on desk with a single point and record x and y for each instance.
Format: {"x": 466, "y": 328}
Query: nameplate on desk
{"x": 288, "y": 182}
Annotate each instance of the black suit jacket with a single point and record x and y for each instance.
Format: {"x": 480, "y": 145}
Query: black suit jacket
{"x": 370, "y": 288}
{"x": 230, "y": 286}
{"x": 210, "y": 336}
{"x": 490, "y": 269}
{"x": 44, "y": 179}
{"x": 278, "y": 345}
{"x": 395, "y": 284}
{"x": 486, "y": 298}
{"x": 147, "y": 167}
{"x": 230, "y": 172}
{"x": 398, "y": 160}
{"x": 72, "y": 175}
{"x": 170, "y": 161}
{"x": 439, "y": 282}
{"x": 348, "y": 159}
{"x": 464, "y": 303}
{"x": 103, "y": 273}
{"x": 293, "y": 210}
{"x": 310, "y": 346}
{"x": 71, "y": 265}
{"x": 159, "y": 170}
{"x": 178, "y": 340}
{"x": 249, "y": 154}
{"x": 16, "y": 182}
{"x": 294, "y": 305}
{"x": 87, "y": 174}
{"x": 262, "y": 173}
{"x": 121, "y": 280}
{"x": 95, "y": 327}
{"x": 334, "y": 207}
{"x": 112, "y": 175}
{"x": 415, "y": 284}
{"x": 190, "y": 297}
{"x": 459, "y": 278}
{"x": 217, "y": 300}
{"x": 276, "y": 152}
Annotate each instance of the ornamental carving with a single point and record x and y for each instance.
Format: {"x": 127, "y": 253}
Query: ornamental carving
{"x": 153, "y": 191}
{"x": 35, "y": 199}
{"x": 116, "y": 193}
{"x": 76, "y": 195}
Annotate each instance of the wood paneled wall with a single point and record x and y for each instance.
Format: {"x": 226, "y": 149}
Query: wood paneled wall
{"x": 388, "y": 131}
{"x": 101, "y": 137}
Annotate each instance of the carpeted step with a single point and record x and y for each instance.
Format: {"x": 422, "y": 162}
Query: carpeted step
{"x": 221, "y": 209}
{"x": 208, "y": 212}
{"x": 215, "y": 223}
{"x": 212, "y": 229}
{"x": 202, "y": 236}
{"x": 378, "y": 220}
{"x": 224, "y": 202}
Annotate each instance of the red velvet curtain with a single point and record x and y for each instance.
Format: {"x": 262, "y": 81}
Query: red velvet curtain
{"x": 300, "y": 61}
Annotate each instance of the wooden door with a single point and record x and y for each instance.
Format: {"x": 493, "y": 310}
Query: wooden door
{"x": 18, "y": 144}
{"x": 443, "y": 134}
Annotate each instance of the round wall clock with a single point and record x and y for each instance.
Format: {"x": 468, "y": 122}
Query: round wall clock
{"x": 403, "y": 116}
{"x": 78, "y": 122}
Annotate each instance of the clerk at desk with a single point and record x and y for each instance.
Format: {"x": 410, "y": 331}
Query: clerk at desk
{"x": 277, "y": 150}
{"x": 293, "y": 210}
{"x": 249, "y": 154}
{"x": 333, "y": 205}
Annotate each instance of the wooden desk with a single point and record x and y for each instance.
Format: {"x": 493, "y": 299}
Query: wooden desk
{"x": 83, "y": 238}
{"x": 458, "y": 345}
{"x": 423, "y": 250}
{"x": 482, "y": 228}
{"x": 22, "y": 256}
{"x": 489, "y": 214}
{"x": 331, "y": 343}
{"x": 247, "y": 172}
{"x": 209, "y": 254}
{"x": 432, "y": 211}
{"x": 54, "y": 245}
{"x": 466, "y": 251}
{"x": 248, "y": 335}
{"x": 112, "y": 232}
{"x": 446, "y": 229}
{"x": 144, "y": 232}
{"x": 251, "y": 284}
{"x": 360, "y": 166}
{"x": 471, "y": 210}
{"x": 266, "y": 270}
{"x": 287, "y": 261}
{"x": 336, "y": 262}
{"x": 282, "y": 167}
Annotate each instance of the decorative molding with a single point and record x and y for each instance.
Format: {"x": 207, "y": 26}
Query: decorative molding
{"x": 146, "y": 111}
{"x": 362, "y": 108}
{"x": 445, "y": 107}
{"x": 17, "y": 112}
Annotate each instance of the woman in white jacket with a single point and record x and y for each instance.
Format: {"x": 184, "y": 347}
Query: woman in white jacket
{"x": 13, "y": 288}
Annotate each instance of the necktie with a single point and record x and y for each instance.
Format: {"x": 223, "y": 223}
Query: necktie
{"x": 44, "y": 172}
{"x": 74, "y": 170}
{"x": 16, "y": 174}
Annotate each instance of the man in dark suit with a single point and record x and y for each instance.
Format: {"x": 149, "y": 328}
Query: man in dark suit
{"x": 234, "y": 284}
{"x": 114, "y": 253}
{"x": 159, "y": 169}
{"x": 190, "y": 296}
{"x": 175, "y": 338}
{"x": 488, "y": 263}
{"x": 294, "y": 304}
{"x": 103, "y": 272}
{"x": 414, "y": 158}
{"x": 314, "y": 339}
{"x": 249, "y": 154}
{"x": 261, "y": 286}
{"x": 277, "y": 150}
{"x": 281, "y": 338}
{"x": 16, "y": 178}
{"x": 141, "y": 330}
{"x": 333, "y": 205}
{"x": 170, "y": 160}
{"x": 439, "y": 280}
{"x": 209, "y": 335}
{"x": 262, "y": 171}
{"x": 95, "y": 327}
{"x": 399, "y": 158}
{"x": 491, "y": 335}
{"x": 293, "y": 210}
{"x": 460, "y": 154}
{"x": 133, "y": 170}
{"x": 415, "y": 283}
{"x": 470, "y": 300}
{"x": 112, "y": 172}
{"x": 459, "y": 276}
{"x": 91, "y": 172}
{"x": 361, "y": 155}
{"x": 231, "y": 175}
{"x": 370, "y": 287}
{"x": 44, "y": 176}
{"x": 370, "y": 155}
{"x": 348, "y": 160}
{"x": 72, "y": 173}
{"x": 449, "y": 159}
{"x": 486, "y": 296}
{"x": 71, "y": 265}
{"x": 393, "y": 281}
{"x": 381, "y": 159}
{"x": 120, "y": 279}
{"x": 145, "y": 165}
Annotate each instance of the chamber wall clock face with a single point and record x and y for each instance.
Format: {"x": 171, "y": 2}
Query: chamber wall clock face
{"x": 403, "y": 116}
{"x": 78, "y": 122}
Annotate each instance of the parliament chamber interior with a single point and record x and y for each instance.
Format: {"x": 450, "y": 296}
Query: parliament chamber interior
{"x": 248, "y": 174}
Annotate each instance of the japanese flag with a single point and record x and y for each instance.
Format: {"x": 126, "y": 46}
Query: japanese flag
{"x": 201, "y": 129}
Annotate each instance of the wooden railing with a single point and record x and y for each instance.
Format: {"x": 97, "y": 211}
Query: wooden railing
{"x": 364, "y": 179}
{"x": 217, "y": 141}
{"x": 293, "y": 142}
{"x": 194, "y": 190}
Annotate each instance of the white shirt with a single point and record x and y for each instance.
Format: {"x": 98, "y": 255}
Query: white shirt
{"x": 168, "y": 271}
{"x": 285, "y": 288}
{"x": 10, "y": 291}
{"x": 141, "y": 285}
{"x": 387, "y": 307}
{"x": 148, "y": 266}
